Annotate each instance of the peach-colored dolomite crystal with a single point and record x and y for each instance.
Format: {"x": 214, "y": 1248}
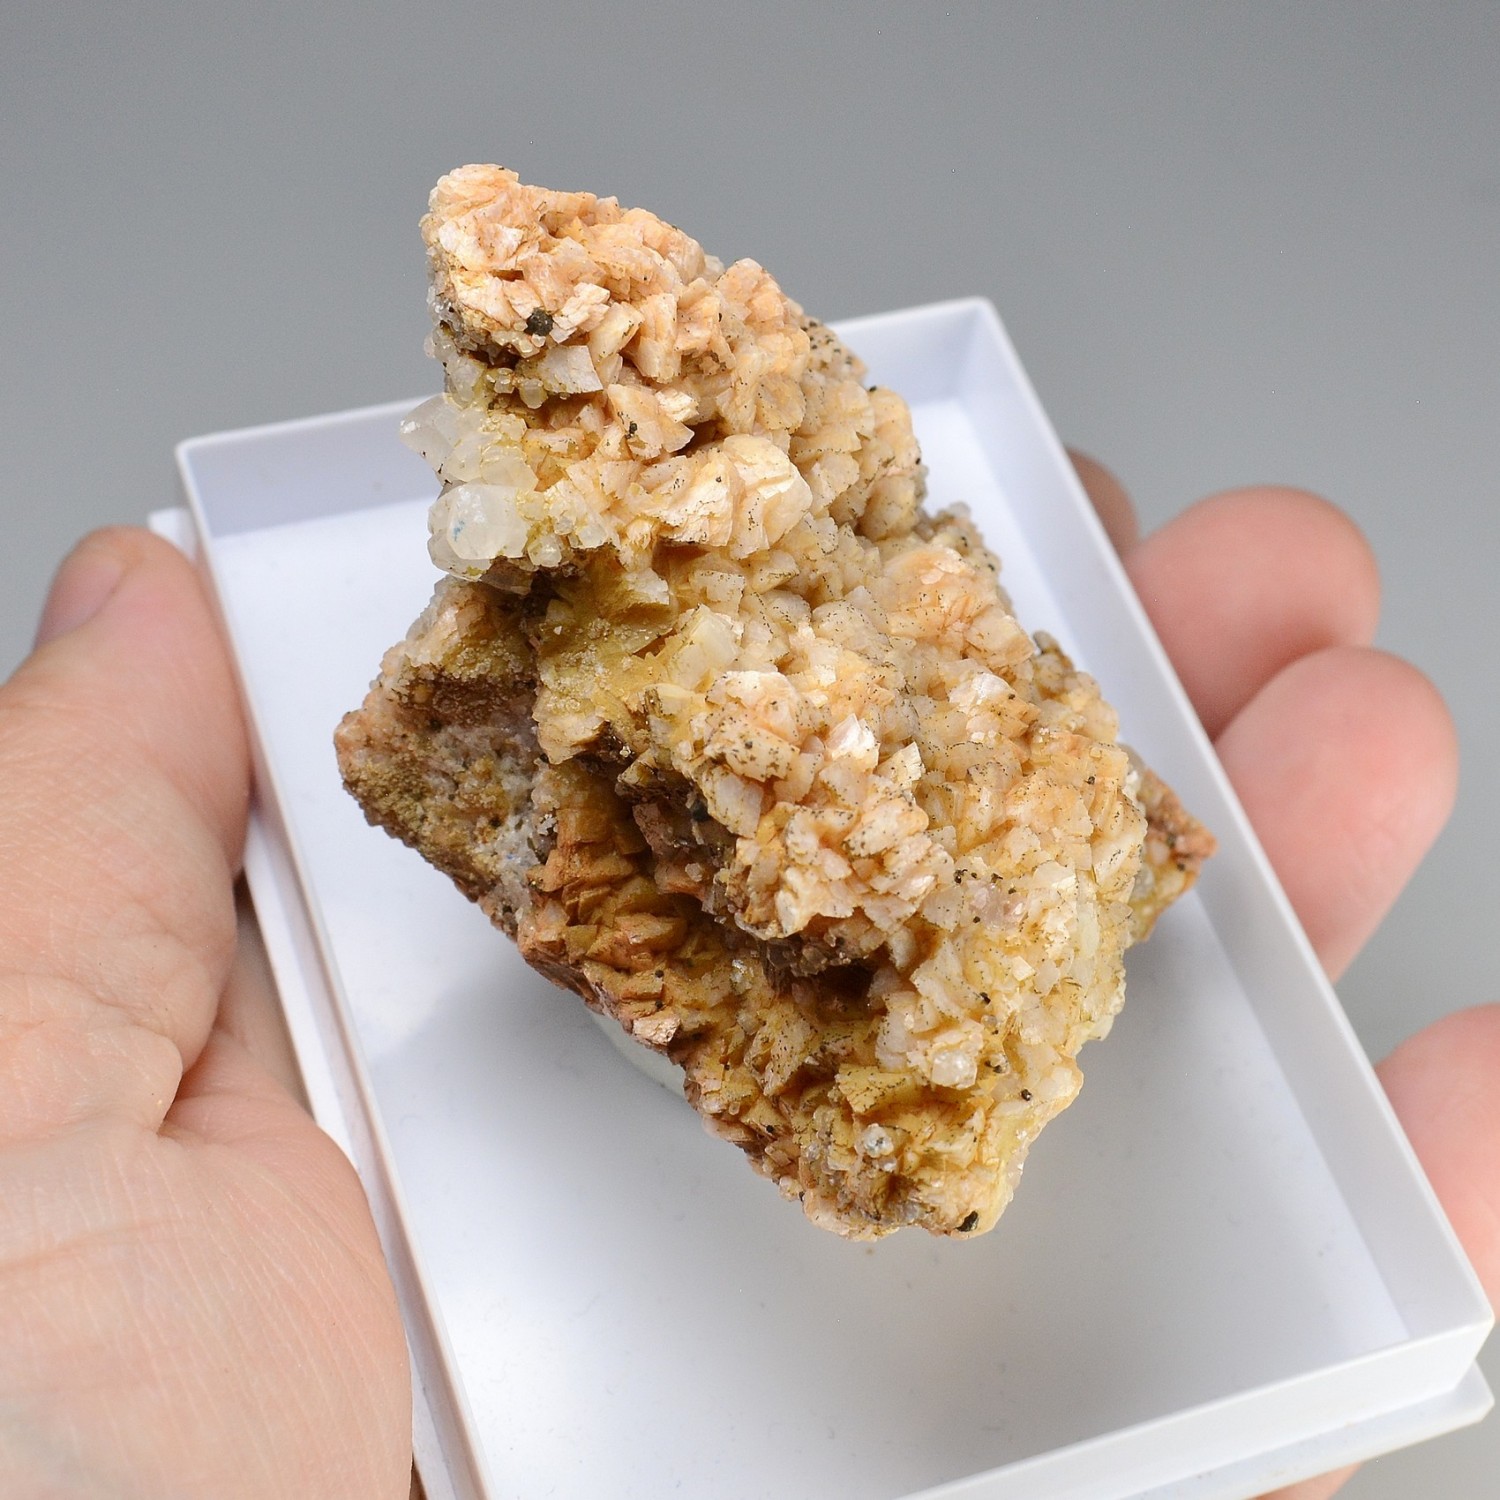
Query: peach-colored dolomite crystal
{"x": 734, "y": 738}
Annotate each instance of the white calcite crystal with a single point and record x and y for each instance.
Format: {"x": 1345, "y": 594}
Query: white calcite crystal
{"x": 737, "y": 740}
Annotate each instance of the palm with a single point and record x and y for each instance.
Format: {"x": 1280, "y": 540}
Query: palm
{"x": 222, "y": 1292}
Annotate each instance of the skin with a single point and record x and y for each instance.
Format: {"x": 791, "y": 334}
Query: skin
{"x": 192, "y": 1296}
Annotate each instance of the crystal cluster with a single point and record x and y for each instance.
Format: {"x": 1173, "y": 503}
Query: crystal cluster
{"x": 733, "y": 737}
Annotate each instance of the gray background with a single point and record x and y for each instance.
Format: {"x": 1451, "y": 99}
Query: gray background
{"x": 1232, "y": 243}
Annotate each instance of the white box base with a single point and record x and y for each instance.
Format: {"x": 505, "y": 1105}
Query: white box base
{"x": 1223, "y": 1269}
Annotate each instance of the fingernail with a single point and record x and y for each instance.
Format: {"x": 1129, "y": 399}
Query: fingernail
{"x": 86, "y": 579}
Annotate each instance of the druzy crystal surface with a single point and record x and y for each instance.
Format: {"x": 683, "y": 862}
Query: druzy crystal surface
{"x": 734, "y": 737}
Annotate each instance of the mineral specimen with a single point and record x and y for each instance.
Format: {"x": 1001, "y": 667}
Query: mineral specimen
{"x": 734, "y": 738}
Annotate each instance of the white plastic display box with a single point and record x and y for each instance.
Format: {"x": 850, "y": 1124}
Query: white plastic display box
{"x": 1222, "y": 1271}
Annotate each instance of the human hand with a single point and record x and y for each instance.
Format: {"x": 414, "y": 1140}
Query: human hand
{"x": 1345, "y": 759}
{"x": 192, "y": 1297}
{"x": 190, "y": 1278}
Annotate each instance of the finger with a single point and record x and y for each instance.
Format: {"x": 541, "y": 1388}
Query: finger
{"x": 1347, "y": 764}
{"x": 250, "y": 1008}
{"x": 1110, "y": 500}
{"x": 146, "y": 666}
{"x": 1245, "y": 582}
{"x": 1442, "y": 1084}
{"x": 1316, "y": 1489}
{"x": 123, "y": 790}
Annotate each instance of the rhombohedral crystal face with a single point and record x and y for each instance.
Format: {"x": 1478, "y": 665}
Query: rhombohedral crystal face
{"x": 737, "y": 740}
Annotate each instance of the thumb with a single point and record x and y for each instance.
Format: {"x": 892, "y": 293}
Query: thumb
{"x": 124, "y": 784}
